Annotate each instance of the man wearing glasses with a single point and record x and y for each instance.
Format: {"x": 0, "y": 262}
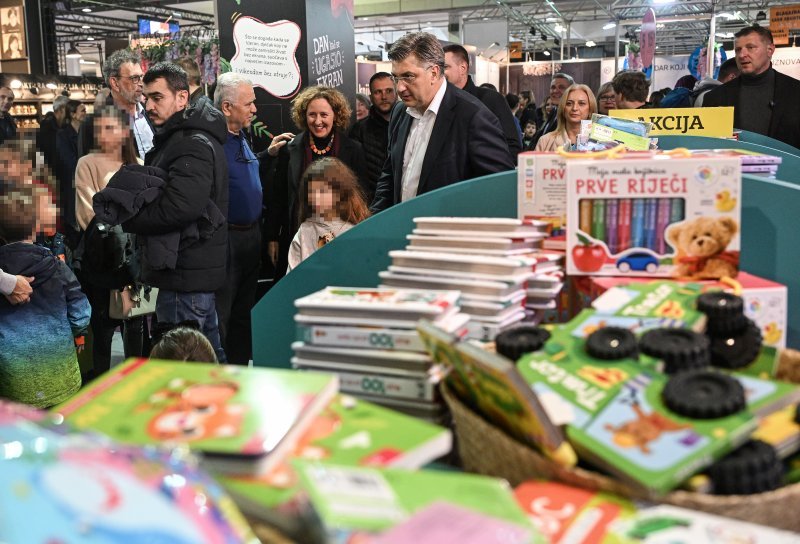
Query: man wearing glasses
{"x": 235, "y": 98}
{"x": 123, "y": 74}
{"x": 439, "y": 135}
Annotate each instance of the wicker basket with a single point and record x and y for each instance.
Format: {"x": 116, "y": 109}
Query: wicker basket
{"x": 485, "y": 449}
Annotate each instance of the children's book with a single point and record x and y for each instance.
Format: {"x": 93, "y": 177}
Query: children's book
{"x": 450, "y": 320}
{"x": 383, "y": 338}
{"x": 386, "y": 303}
{"x": 62, "y": 486}
{"x": 348, "y": 432}
{"x": 354, "y": 500}
{"x": 378, "y": 358}
{"x": 567, "y": 515}
{"x": 431, "y": 269}
{"x": 444, "y": 522}
{"x": 483, "y": 227}
{"x": 492, "y": 386}
{"x": 463, "y": 244}
{"x": 665, "y": 524}
{"x": 463, "y": 263}
{"x": 617, "y": 420}
{"x": 358, "y": 380}
{"x": 472, "y": 287}
{"x": 243, "y": 420}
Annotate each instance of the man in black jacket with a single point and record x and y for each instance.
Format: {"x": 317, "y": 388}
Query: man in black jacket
{"x": 188, "y": 145}
{"x": 439, "y": 135}
{"x": 764, "y": 100}
{"x": 373, "y": 131}
{"x": 456, "y": 70}
{"x": 8, "y": 125}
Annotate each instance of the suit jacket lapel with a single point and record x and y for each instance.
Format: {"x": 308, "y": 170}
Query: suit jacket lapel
{"x": 399, "y": 149}
{"x": 441, "y": 132}
{"x": 777, "y": 90}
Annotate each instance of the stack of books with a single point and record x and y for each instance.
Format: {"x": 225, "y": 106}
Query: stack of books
{"x": 367, "y": 337}
{"x": 497, "y": 264}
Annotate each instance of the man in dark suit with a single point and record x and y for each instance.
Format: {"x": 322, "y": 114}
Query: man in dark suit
{"x": 765, "y": 100}
{"x": 456, "y": 70}
{"x": 439, "y": 135}
{"x": 548, "y": 119}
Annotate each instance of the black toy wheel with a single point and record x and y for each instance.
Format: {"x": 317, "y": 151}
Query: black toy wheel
{"x": 611, "y": 343}
{"x": 680, "y": 349}
{"x": 752, "y": 468}
{"x": 736, "y": 351}
{"x": 703, "y": 394}
{"x": 516, "y": 342}
{"x": 725, "y": 312}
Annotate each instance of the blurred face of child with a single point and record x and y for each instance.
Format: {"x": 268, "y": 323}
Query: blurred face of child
{"x": 109, "y": 133}
{"x": 45, "y": 213}
{"x": 15, "y": 168}
{"x": 322, "y": 199}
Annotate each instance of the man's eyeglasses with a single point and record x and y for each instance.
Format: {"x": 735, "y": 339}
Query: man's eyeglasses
{"x": 408, "y": 79}
{"x": 607, "y": 97}
{"x": 133, "y": 79}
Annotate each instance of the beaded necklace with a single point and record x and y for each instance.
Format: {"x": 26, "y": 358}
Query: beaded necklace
{"x": 321, "y": 151}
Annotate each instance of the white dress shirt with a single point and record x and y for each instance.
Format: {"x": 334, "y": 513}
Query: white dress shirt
{"x": 142, "y": 131}
{"x": 417, "y": 142}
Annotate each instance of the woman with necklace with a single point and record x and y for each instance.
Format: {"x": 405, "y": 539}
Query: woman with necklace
{"x": 577, "y": 104}
{"x": 322, "y": 114}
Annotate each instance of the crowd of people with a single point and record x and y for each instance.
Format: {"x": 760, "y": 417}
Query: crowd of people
{"x": 162, "y": 197}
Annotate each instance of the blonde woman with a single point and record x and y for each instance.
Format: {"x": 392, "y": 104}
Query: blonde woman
{"x": 577, "y": 104}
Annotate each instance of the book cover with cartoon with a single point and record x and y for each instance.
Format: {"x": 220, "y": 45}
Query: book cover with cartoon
{"x": 493, "y": 386}
{"x": 218, "y": 409}
{"x": 126, "y": 493}
{"x": 636, "y": 437}
{"x": 348, "y": 432}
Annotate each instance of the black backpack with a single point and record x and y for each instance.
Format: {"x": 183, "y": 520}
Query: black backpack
{"x": 106, "y": 256}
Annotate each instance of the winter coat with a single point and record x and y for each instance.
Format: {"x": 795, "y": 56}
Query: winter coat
{"x": 373, "y": 135}
{"x": 189, "y": 148}
{"x": 38, "y": 362}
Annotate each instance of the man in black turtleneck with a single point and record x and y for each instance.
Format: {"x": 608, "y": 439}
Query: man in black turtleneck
{"x": 765, "y": 100}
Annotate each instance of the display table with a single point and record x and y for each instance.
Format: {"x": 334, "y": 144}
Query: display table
{"x": 770, "y": 227}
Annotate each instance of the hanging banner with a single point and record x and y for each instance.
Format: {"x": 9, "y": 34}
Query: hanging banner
{"x": 782, "y": 21}
{"x": 647, "y": 38}
{"x": 716, "y": 122}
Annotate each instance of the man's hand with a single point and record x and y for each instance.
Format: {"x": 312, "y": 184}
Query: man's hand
{"x": 278, "y": 142}
{"x": 22, "y": 291}
{"x": 272, "y": 250}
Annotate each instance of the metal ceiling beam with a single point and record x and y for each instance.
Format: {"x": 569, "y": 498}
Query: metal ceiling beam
{"x": 148, "y": 8}
{"x": 97, "y": 20}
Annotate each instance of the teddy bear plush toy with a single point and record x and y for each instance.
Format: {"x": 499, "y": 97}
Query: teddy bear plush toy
{"x": 700, "y": 248}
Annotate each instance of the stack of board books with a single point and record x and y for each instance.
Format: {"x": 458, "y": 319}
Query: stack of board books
{"x": 753, "y": 162}
{"x": 61, "y": 485}
{"x": 495, "y": 263}
{"x": 225, "y": 413}
{"x": 367, "y": 336}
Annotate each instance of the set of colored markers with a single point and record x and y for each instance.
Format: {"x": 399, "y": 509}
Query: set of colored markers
{"x": 623, "y": 223}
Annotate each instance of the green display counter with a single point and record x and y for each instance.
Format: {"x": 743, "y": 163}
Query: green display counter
{"x": 789, "y": 169}
{"x": 770, "y": 225}
{"x": 766, "y": 141}
{"x": 355, "y": 258}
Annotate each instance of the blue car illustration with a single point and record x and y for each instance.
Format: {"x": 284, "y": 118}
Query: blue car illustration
{"x": 638, "y": 261}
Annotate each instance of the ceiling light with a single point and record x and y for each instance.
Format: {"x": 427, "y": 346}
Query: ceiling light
{"x": 609, "y": 25}
{"x": 590, "y": 43}
{"x": 73, "y": 53}
{"x": 558, "y": 28}
{"x": 663, "y": 1}
{"x": 86, "y": 26}
{"x": 15, "y": 84}
{"x": 660, "y": 25}
{"x": 546, "y": 53}
{"x": 761, "y": 16}
{"x": 90, "y": 38}
{"x": 544, "y": 37}
{"x": 365, "y": 18}
{"x": 51, "y": 86}
{"x": 87, "y": 10}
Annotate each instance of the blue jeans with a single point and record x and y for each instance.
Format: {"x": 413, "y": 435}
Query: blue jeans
{"x": 175, "y": 307}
